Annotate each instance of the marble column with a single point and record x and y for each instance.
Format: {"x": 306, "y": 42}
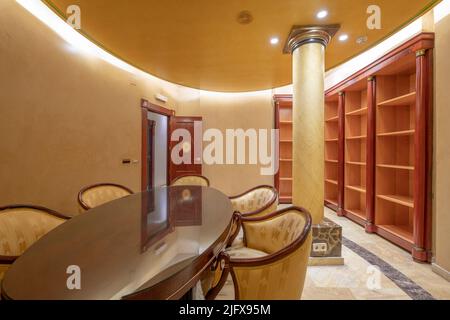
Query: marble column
{"x": 307, "y": 46}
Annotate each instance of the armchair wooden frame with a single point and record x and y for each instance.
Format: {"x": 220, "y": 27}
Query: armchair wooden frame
{"x": 84, "y": 205}
{"x": 226, "y": 263}
{"x": 11, "y": 259}
{"x": 191, "y": 175}
{"x": 265, "y": 207}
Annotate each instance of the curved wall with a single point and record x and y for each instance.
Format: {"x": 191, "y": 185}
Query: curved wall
{"x": 67, "y": 119}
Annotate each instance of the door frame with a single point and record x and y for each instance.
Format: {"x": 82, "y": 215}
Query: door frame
{"x": 147, "y": 107}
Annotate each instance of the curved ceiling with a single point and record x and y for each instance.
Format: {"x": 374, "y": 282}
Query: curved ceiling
{"x": 200, "y": 44}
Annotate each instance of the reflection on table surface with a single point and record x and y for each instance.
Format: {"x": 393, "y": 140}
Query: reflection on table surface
{"x": 125, "y": 245}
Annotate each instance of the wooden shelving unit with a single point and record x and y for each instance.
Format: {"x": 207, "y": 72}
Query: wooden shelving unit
{"x": 387, "y": 145}
{"x": 283, "y": 122}
{"x": 396, "y": 105}
{"x": 356, "y": 152}
{"x": 332, "y": 140}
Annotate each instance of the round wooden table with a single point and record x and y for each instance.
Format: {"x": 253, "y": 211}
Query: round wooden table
{"x": 152, "y": 245}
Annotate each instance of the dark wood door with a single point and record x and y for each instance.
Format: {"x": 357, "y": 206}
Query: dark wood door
{"x": 185, "y": 147}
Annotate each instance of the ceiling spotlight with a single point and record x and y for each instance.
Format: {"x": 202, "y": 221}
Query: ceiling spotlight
{"x": 343, "y": 37}
{"x": 274, "y": 41}
{"x": 245, "y": 17}
{"x": 322, "y": 14}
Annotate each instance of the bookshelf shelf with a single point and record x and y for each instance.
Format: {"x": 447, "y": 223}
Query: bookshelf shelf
{"x": 359, "y": 112}
{"x": 404, "y": 100}
{"x": 388, "y": 166}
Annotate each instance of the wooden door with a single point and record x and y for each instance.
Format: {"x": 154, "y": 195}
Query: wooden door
{"x": 190, "y": 149}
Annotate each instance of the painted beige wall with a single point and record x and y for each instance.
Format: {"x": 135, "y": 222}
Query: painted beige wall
{"x": 231, "y": 111}
{"x": 442, "y": 144}
{"x": 66, "y": 119}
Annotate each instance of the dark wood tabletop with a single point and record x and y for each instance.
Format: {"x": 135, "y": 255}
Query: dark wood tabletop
{"x": 153, "y": 245}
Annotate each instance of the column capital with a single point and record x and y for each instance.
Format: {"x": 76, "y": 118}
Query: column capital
{"x": 421, "y": 52}
{"x": 301, "y": 35}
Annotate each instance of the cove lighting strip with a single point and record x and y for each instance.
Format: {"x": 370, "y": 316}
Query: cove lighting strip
{"x": 73, "y": 37}
{"x": 441, "y": 11}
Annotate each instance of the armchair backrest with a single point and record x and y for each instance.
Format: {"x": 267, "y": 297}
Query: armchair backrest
{"x": 275, "y": 233}
{"x": 258, "y": 201}
{"x": 21, "y": 226}
{"x": 191, "y": 180}
{"x": 96, "y": 195}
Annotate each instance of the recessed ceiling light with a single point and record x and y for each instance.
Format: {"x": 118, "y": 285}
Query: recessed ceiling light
{"x": 274, "y": 40}
{"x": 245, "y": 17}
{"x": 362, "y": 40}
{"x": 322, "y": 14}
{"x": 343, "y": 37}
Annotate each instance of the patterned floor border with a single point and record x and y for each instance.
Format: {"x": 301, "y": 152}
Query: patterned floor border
{"x": 412, "y": 289}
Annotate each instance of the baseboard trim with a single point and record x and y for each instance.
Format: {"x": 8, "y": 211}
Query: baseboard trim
{"x": 441, "y": 271}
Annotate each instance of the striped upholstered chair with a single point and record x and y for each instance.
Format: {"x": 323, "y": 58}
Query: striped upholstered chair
{"x": 272, "y": 265}
{"x": 20, "y": 227}
{"x": 96, "y": 195}
{"x": 191, "y": 180}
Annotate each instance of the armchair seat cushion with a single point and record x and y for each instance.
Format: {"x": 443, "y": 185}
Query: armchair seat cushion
{"x": 245, "y": 253}
{"x": 238, "y": 242}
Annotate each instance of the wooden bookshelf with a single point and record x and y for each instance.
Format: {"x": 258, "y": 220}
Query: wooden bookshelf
{"x": 356, "y": 152}
{"x": 387, "y": 145}
{"x": 394, "y": 206}
{"x": 332, "y": 140}
{"x": 284, "y": 122}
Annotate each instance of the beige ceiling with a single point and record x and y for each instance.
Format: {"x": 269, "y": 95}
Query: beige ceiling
{"x": 200, "y": 44}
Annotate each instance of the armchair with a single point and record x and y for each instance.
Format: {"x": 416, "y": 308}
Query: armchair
{"x": 20, "y": 227}
{"x": 273, "y": 263}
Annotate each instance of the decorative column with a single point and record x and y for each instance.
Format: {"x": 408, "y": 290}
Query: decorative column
{"x": 370, "y": 156}
{"x": 307, "y": 45}
{"x": 423, "y": 156}
{"x": 341, "y": 155}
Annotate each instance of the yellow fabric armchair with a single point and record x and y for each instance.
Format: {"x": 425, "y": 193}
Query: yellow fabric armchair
{"x": 20, "y": 227}
{"x": 96, "y": 195}
{"x": 191, "y": 180}
{"x": 273, "y": 263}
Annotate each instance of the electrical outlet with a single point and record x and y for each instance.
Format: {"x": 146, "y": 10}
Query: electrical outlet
{"x": 320, "y": 247}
